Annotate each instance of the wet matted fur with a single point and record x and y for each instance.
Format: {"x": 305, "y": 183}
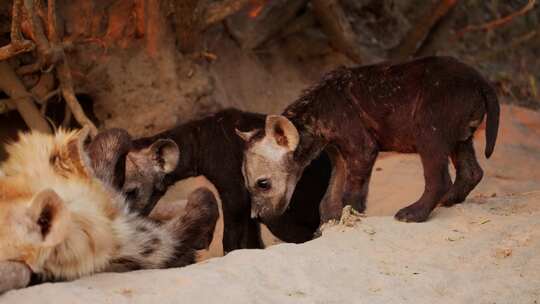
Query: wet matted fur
{"x": 430, "y": 106}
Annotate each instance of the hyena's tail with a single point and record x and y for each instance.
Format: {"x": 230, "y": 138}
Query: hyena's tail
{"x": 492, "y": 120}
{"x": 195, "y": 230}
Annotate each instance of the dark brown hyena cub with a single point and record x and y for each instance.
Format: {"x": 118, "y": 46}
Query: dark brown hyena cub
{"x": 144, "y": 168}
{"x": 430, "y": 106}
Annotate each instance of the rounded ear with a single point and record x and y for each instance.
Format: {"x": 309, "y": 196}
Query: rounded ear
{"x": 107, "y": 154}
{"x": 166, "y": 154}
{"x": 75, "y": 155}
{"x": 51, "y": 216}
{"x": 245, "y": 136}
{"x": 283, "y": 131}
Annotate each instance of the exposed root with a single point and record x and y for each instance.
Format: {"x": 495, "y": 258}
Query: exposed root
{"x": 18, "y": 44}
{"x": 218, "y": 11}
{"x": 11, "y": 49}
{"x": 66, "y": 86}
{"x": 497, "y": 22}
{"x": 51, "y": 55}
{"x": 14, "y": 88}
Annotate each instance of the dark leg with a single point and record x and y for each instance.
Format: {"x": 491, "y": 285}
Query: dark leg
{"x": 252, "y": 238}
{"x": 332, "y": 202}
{"x": 232, "y": 232}
{"x": 352, "y": 162}
{"x": 468, "y": 173}
{"x": 288, "y": 228}
{"x": 239, "y": 230}
{"x": 437, "y": 182}
{"x": 357, "y": 185}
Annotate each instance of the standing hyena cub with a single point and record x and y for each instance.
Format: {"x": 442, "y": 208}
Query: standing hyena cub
{"x": 63, "y": 222}
{"x": 430, "y": 106}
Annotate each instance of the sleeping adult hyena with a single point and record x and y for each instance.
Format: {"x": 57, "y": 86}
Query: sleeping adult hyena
{"x": 63, "y": 222}
{"x": 430, "y": 106}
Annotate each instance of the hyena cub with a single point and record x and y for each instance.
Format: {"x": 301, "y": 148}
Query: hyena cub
{"x": 63, "y": 222}
{"x": 430, "y": 106}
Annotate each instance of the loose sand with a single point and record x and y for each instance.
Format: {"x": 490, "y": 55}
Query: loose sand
{"x": 486, "y": 250}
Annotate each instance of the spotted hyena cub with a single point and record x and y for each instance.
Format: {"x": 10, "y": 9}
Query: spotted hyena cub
{"x": 430, "y": 106}
{"x": 63, "y": 222}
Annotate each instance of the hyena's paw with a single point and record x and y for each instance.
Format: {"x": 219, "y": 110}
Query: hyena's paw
{"x": 450, "y": 199}
{"x": 414, "y": 213}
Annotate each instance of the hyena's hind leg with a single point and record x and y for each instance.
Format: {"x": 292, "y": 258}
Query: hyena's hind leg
{"x": 437, "y": 182}
{"x": 199, "y": 221}
{"x": 173, "y": 243}
{"x": 468, "y": 173}
{"x": 195, "y": 230}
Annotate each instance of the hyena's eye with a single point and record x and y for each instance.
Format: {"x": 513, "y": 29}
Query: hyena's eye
{"x": 264, "y": 184}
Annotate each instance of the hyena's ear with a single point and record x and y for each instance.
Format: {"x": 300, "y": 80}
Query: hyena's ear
{"x": 71, "y": 157}
{"x": 51, "y": 217}
{"x": 283, "y": 131}
{"x": 107, "y": 154}
{"x": 246, "y": 136}
{"x": 164, "y": 154}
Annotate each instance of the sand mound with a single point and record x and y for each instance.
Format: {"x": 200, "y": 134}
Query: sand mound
{"x": 481, "y": 252}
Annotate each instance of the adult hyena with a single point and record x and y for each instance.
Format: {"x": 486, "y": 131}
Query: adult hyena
{"x": 63, "y": 222}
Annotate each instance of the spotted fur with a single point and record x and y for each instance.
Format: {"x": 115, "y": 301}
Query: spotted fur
{"x": 63, "y": 222}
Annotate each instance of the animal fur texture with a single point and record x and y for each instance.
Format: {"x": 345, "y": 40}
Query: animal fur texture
{"x": 209, "y": 147}
{"x": 64, "y": 223}
{"x": 430, "y": 106}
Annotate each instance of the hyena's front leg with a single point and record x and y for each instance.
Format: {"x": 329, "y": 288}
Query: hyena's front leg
{"x": 332, "y": 202}
{"x": 13, "y": 275}
{"x": 352, "y": 161}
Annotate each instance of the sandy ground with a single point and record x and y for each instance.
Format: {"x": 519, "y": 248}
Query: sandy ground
{"x": 483, "y": 251}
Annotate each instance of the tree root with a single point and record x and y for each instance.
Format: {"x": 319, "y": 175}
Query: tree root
{"x": 218, "y": 11}
{"x": 13, "y": 87}
{"x": 11, "y": 49}
{"x": 50, "y": 55}
{"x": 498, "y": 22}
{"x": 18, "y": 44}
{"x": 66, "y": 86}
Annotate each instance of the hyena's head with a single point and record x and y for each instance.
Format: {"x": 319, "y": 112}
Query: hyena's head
{"x": 138, "y": 173}
{"x": 47, "y": 184}
{"x": 31, "y": 224}
{"x": 146, "y": 169}
{"x": 270, "y": 172}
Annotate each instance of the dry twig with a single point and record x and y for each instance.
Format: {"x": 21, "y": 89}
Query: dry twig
{"x": 51, "y": 53}
{"x": 218, "y": 11}
{"x": 497, "y": 22}
{"x": 18, "y": 44}
{"x": 14, "y": 88}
